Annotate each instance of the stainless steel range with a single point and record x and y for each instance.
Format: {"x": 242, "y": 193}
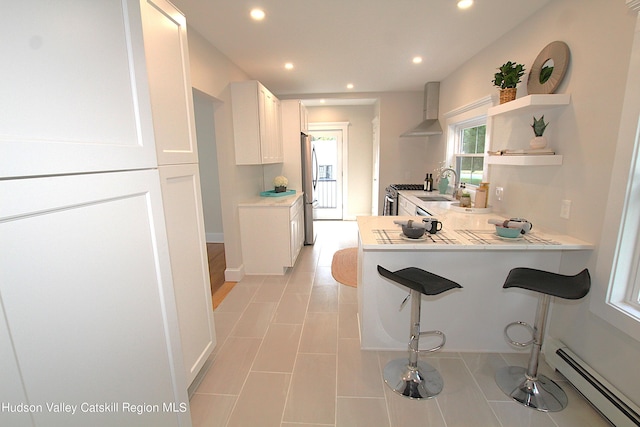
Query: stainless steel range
{"x": 391, "y": 197}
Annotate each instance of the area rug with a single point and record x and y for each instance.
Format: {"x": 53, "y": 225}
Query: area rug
{"x": 344, "y": 266}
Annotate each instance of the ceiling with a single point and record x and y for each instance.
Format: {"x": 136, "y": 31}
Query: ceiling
{"x": 367, "y": 43}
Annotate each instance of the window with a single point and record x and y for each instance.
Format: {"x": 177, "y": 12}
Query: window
{"x": 624, "y": 292}
{"x": 469, "y": 151}
{"x": 616, "y": 285}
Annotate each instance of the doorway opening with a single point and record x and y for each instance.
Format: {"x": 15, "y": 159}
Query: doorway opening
{"x": 329, "y": 141}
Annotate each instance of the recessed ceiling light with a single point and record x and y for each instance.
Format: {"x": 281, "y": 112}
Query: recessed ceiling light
{"x": 288, "y": 66}
{"x": 257, "y": 14}
{"x": 417, "y": 59}
{"x": 322, "y": 101}
{"x": 465, "y": 4}
{"x": 350, "y": 86}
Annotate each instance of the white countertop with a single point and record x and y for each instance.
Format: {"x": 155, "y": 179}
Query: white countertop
{"x": 460, "y": 231}
{"x": 275, "y": 201}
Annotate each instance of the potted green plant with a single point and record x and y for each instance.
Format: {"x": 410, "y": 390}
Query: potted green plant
{"x": 465, "y": 200}
{"x": 539, "y": 141}
{"x": 507, "y": 78}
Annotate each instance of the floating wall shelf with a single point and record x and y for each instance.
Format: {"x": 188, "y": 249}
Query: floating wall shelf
{"x": 525, "y": 160}
{"x": 531, "y": 103}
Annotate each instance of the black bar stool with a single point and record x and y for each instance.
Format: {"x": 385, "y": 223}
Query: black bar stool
{"x": 412, "y": 378}
{"x": 526, "y": 386}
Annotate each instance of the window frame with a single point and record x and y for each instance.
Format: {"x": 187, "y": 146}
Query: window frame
{"x": 468, "y": 113}
{"x": 623, "y": 285}
{"x": 616, "y": 278}
{"x": 458, "y": 129}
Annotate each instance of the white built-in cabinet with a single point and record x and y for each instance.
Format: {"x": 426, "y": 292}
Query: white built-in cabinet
{"x": 104, "y": 294}
{"x": 295, "y": 120}
{"x": 88, "y": 307}
{"x": 304, "y": 118}
{"x": 257, "y": 126}
{"x": 509, "y": 128}
{"x": 165, "y": 34}
{"x": 167, "y": 55}
{"x": 72, "y": 101}
{"x": 272, "y": 234}
{"x": 184, "y": 217}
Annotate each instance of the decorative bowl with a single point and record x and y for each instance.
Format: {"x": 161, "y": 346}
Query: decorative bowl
{"x": 413, "y": 232}
{"x": 510, "y": 233}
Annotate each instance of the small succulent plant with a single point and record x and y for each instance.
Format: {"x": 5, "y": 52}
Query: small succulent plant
{"x": 539, "y": 125}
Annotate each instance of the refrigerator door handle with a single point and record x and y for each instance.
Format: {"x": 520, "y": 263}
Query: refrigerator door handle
{"x": 316, "y": 170}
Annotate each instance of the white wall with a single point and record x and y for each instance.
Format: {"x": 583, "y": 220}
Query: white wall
{"x": 599, "y": 34}
{"x": 211, "y": 73}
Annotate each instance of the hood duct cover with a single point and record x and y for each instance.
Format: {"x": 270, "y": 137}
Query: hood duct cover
{"x": 430, "y": 124}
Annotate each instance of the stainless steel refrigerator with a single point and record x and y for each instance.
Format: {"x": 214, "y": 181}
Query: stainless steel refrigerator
{"x": 309, "y": 181}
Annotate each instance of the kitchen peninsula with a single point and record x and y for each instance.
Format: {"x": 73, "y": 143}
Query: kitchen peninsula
{"x": 467, "y": 251}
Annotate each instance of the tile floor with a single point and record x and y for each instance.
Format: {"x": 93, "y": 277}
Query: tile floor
{"x": 288, "y": 355}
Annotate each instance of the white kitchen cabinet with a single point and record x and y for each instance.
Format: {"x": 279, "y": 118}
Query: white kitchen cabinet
{"x": 294, "y": 122}
{"x": 165, "y": 36}
{"x": 167, "y": 54}
{"x": 184, "y": 219}
{"x": 502, "y": 132}
{"x": 405, "y": 207}
{"x": 72, "y": 98}
{"x": 272, "y": 234}
{"x": 257, "y": 127}
{"x": 88, "y": 301}
{"x": 87, "y": 272}
{"x": 297, "y": 231}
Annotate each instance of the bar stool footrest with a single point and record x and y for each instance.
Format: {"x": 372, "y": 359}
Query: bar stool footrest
{"x": 437, "y": 347}
{"x": 517, "y": 343}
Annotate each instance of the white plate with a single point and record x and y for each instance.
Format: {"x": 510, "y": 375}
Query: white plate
{"x": 424, "y": 237}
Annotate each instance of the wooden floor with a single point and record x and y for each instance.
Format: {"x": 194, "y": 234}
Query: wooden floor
{"x": 217, "y": 265}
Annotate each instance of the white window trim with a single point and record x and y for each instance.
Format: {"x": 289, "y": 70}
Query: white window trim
{"x": 619, "y": 251}
{"x": 457, "y": 141}
{"x": 469, "y": 113}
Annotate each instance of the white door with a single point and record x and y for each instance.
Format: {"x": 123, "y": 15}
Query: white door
{"x": 328, "y": 146}
{"x": 88, "y": 302}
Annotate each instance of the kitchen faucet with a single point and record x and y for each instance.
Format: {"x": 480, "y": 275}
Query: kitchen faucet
{"x": 455, "y": 180}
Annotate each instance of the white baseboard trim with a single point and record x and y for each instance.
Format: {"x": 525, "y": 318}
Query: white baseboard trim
{"x": 234, "y": 274}
{"x": 215, "y": 237}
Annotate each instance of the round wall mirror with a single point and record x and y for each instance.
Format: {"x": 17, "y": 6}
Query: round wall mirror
{"x": 549, "y": 68}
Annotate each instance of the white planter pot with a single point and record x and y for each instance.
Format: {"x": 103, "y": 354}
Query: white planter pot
{"x": 538, "y": 142}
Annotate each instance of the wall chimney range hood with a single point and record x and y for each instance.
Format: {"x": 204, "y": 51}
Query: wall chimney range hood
{"x": 430, "y": 124}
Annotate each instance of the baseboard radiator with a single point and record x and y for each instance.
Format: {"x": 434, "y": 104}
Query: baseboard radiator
{"x": 612, "y": 404}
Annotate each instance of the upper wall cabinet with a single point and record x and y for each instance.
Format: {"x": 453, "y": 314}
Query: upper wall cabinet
{"x": 257, "y": 126}
{"x": 167, "y": 55}
{"x": 77, "y": 100}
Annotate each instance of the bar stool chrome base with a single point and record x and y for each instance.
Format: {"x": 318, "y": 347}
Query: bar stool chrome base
{"x": 420, "y": 382}
{"x": 540, "y": 393}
